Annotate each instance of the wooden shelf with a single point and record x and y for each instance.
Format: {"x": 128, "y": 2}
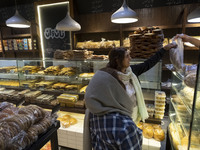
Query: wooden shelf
{"x": 17, "y": 36}
{"x": 186, "y": 48}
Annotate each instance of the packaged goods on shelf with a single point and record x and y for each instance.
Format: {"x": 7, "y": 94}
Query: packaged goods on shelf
{"x": 31, "y": 96}
{"x": 160, "y": 98}
{"x": 68, "y": 100}
{"x": 1, "y": 49}
{"x": 29, "y": 44}
{"x": 150, "y": 110}
{"x": 5, "y": 44}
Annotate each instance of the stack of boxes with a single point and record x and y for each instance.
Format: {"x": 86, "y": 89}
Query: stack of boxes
{"x": 160, "y": 98}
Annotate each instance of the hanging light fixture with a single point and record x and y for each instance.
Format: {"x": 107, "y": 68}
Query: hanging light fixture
{"x": 194, "y": 16}
{"x": 124, "y": 15}
{"x": 17, "y": 21}
{"x": 68, "y": 24}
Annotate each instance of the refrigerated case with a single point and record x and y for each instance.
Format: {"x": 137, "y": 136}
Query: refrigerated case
{"x": 184, "y": 112}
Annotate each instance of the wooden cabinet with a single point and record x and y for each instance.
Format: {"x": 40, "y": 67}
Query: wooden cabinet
{"x": 18, "y": 43}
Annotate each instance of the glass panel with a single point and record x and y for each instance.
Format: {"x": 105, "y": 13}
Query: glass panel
{"x": 195, "y": 132}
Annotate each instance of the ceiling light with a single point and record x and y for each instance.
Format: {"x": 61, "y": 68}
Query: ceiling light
{"x": 68, "y": 24}
{"x": 124, "y": 15}
{"x": 194, "y": 16}
{"x": 17, "y": 21}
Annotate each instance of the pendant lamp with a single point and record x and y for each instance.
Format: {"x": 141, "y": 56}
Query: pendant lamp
{"x": 17, "y": 21}
{"x": 194, "y": 16}
{"x": 68, "y": 24}
{"x": 124, "y": 15}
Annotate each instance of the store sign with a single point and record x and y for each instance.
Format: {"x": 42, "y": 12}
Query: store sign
{"x": 50, "y": 33}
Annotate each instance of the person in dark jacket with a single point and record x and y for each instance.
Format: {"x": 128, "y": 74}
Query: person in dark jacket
{"x": 115, "y": 103}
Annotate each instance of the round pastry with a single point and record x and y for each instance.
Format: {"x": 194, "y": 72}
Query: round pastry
{"x": 66, "y": 117}
{"x": 159, "y": 134}
{"x": 156, "y": 126}
{"x": 140, "y": 125}
{"x": 190, "y": 80}
{"x": 72, "y": 121}
{"x": 148, "y": 131}
{"x": 65, "y": 123}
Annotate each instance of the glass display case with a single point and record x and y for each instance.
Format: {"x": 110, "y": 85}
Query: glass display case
{"x": 184, "y": 111}
{"x": 69, "y": 78}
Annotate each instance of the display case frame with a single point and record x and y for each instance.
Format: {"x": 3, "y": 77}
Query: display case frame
{"x": 184, "y": 112}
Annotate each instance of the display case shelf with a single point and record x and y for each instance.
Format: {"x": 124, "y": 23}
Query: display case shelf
{"x": 13, "y": 76}
{"x": 185, "y": 126}
{"x": 181, "y": 97}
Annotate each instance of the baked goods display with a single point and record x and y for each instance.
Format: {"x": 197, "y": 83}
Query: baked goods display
{"x": 104, "y": 57}
{"x": 145, "y": 41}
{"x": 13, "y": 83}
{"x": 67, "y": 71}
{"x": 126, "y": 42}
{"x": 160, "y": 98}
{"x": 150, "y": 110}
{"x": 96, "y": 45}
{"x": 83, "y": 89}
{"x": 73, "y": 87}
{"x": 24, "y": 125}
{"x": 148, "y": 131}
{"x": 30, "y": 69}
{"x": 152, "y": 131}
{"x": 68, "y": 100}
{"x": 67, "y": 121}
{"x": 44, "y": 84}
{"x": 190, "y": 79}
{"x": 86, "y": 75}
{"x": 44, "y": 99}
{"x": 53, "y": 70}
{"x": 8, "y": 69}
{"x": 77, "y": 54}
{"x": 80, "y": 104}
{"x": 31, "y": 96}
{"x": 59, "y": 86}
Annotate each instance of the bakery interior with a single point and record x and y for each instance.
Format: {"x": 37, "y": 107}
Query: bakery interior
{"x": 46, "y": 67}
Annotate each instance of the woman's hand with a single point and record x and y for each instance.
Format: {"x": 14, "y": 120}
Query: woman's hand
{"x": 184, "y": 37}
{"x": 170, "y": 45}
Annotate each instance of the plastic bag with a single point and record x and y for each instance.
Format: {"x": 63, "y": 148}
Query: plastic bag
{"x": 176, "y": 55}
